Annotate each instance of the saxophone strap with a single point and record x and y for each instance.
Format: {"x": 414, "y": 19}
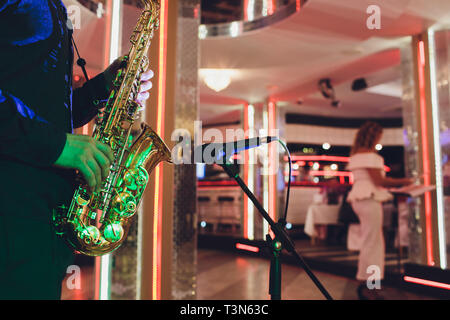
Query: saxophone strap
{"x": 80, "y": 61}
{"x": 82, "y": 64}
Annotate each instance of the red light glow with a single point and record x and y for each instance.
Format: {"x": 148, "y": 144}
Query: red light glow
{"x": 246, "y": 168}
{"x": 427, "y": 282}
{"x": 246, "y": 247}
{"x": 158, "y": 200}
{"x": 425, "y": 149}
{"x": 271, "y": 109}
{"x": 324, "y": 158}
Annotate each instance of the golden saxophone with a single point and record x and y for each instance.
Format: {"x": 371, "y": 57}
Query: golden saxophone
{"x": 97, "y": 223}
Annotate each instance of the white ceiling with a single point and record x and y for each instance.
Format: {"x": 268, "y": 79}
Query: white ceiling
{"x": 327, "y": 38}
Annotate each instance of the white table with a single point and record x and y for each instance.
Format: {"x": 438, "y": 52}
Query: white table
{"x": 320, "y": 214}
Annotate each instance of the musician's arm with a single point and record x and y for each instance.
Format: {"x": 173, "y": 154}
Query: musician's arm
{"x": 98, "y": 88}
{"x": 83, "y": 106}
{"x": 26, "y": 137}
{"x": 5, "y": 3}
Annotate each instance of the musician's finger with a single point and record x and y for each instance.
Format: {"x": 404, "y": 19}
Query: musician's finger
{"x": 147, "y": 75}
{"x": 142, "y": 97}
{"x": 145, "y": 86}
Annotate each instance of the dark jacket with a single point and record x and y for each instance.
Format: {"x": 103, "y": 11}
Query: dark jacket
{"x": 38, "y": 106}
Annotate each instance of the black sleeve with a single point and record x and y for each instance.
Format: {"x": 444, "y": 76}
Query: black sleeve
{"x": 6, "y": 3}
{"x": 83, "y": 107}
{"x": 26, "y": 137}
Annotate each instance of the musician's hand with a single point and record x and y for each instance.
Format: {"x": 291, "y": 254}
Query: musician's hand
{"x": 92, "y": 158}
{"x": 145, "y": 85}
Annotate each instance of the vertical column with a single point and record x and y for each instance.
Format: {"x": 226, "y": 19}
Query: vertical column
{"x": 273, "y": 179}
{"x": 426, "y": 146}
{"x": 167, "y": 245}
{"x": 411, "y": 136}
{"x": 248, "y": 219}
{"x": 259, "y": 166}
{"x": 439, "y": 51}
{"x": 423, "y": 148}
{"x": 273, "y": 160}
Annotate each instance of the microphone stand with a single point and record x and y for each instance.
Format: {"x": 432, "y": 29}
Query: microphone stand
{"x": 280, "y": 241}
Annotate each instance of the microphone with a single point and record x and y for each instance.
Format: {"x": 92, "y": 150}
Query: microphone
{"x": 219, "y": 153}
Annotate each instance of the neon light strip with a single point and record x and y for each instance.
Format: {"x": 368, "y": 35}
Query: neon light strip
{"x": 114, "y": 50}
{"x": 265, "y": 172}
{"x": 273, "y": 160}
{"x": 268, "y": 7}
{"x": 437, "y": 152}
{"x": 321, "y": 157}
{"x": 246, "y": 176}
{"x": 157, "y": 214}
{"x": 325, "y": 158}
{"x": 251, "y": 176}
{"x": 425, "y": 149}
{"x": 272, "y": 7}
{"x": 427, "y": 282}
{"x": 108, "y": 17}
{"x": 249, "y": 12}
{"x": 248, "y": 218}
{"x": 103, "y": 268}
{"x": 246, "y": 247}
{"x": 331, "y": 173}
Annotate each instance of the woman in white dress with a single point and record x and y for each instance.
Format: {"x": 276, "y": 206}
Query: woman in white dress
{"x": 366, "y": 197}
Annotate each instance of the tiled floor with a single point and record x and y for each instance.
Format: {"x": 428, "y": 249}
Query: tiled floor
{"x": 224, "y": 276}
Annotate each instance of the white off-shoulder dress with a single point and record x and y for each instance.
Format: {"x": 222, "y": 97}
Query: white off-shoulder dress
{"x": 366, "y": 199}
{"x": 363, "y": 187}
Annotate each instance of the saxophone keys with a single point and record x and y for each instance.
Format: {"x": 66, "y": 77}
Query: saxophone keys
{"x": 83, "y": 199}
{"x": 89, "y": 235}
{"x": 113, "y": 232}
{"x": 124, "y": 204}
{"x": 145, "y": 63}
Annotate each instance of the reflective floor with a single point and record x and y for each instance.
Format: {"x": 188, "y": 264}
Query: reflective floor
{"x": 230, "y": 276}
{"x": 223, "y": 275}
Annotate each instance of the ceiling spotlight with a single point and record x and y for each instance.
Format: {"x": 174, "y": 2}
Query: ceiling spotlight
{"x": 379, "y": 147}
{"x": 217, "y": 79}
{"x": 326, "y": 146}
{"x": 327, "y": 91}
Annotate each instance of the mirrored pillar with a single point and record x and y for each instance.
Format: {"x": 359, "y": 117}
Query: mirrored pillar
{"x": 425, "y": 104}
{"x": 167, "y": 245}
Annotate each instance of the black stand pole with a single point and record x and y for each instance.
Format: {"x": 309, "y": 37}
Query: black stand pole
{"x": 281, "y": 240}
{"x": 275, "y": 268}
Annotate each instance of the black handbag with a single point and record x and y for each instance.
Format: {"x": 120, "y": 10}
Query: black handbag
{"x": 346, "y": 214}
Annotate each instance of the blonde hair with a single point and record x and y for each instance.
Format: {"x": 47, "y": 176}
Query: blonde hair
{"x": 367, "y": 136}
